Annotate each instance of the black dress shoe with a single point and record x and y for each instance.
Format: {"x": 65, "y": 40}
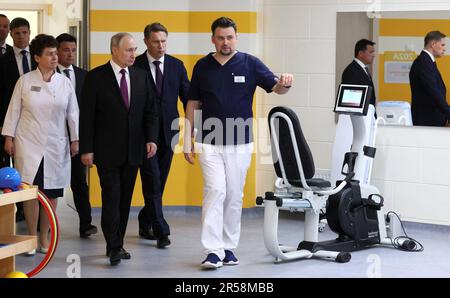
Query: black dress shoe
{"x": 163, "y": 242}
{"x": 115, "y": 256}
{"x": 125, "y": 254}
{"x": 91, "y": 230}
{"x": 146, "y": 234}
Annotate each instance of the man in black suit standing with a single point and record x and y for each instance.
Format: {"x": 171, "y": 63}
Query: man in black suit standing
{"x": 13, "y": 64}
{"x": 428, "y": 93}
{"x": 4, "y": 31}
{"x": 67, "y": 52}
{"x": 118, "y": 119}
{"x": 357, "y": 72}
{"x": 169, "y": 81}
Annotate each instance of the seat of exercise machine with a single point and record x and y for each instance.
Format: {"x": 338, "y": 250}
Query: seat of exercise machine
{"x": 292, "y": 169}
{"x": 314, "y": 182}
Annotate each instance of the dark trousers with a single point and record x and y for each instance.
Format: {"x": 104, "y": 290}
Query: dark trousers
{"x": 154, "y": 172}
{"x": 4, "y": 157}
{"x": 80, "y": 192}
{"x": 117, "y": 189}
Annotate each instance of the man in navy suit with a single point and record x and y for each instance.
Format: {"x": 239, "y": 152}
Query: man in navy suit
{"x": 169, "y": 81}
{"x": 4, "y": 31}
{"x": 357, "y": 72}
{"x": 67, "y": 52}
{"x": 118, "y": 120}
{"x": 428, "y": 93}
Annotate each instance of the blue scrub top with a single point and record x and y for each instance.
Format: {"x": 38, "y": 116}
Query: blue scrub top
{"x": 226, "y": 94}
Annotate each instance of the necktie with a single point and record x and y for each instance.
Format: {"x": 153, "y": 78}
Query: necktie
{"x": 158, "y": 78}
{"x": 124, "y": 89}
{"x": 67, "y": 72}
{"x": 26, "y": 67}
{"x": 368, "y": 73}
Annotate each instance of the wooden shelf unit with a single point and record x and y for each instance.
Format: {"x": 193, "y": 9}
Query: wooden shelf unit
{"x": 10, "y": 243}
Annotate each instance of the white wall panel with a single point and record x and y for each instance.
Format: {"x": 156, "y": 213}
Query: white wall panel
{"x": 176, "y": 5}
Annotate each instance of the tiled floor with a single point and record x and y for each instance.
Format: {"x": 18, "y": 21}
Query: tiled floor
{"x": 183, "y": 258}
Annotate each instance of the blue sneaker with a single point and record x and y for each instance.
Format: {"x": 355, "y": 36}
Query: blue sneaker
{"x": 230, "y": 259}
{"x": 212, "y": 261}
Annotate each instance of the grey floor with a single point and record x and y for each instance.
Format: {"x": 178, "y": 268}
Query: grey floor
{"x": 183, "y": 258}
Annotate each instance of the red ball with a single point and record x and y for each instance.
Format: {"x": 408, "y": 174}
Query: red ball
{"x": 6, "y": 190}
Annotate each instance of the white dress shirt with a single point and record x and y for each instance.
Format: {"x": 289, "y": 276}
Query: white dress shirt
{"x": 153, "y": 67}
{"x": 71, "y": 73}
{"x": 360, "y": 63}
{"x": 116, "y": 68}
{"x": 431, "y": 55}
{"x": 3, "y": 48}
{"x": 18, "y": 54}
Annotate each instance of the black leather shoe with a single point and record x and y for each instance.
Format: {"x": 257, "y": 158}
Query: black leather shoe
{"x": 91, "y": 230}
{"x": 115, "y": 256}
{"x": 125, "y": 254}
{"x": 147, "y": 234}
{"x": 163, "y": 242}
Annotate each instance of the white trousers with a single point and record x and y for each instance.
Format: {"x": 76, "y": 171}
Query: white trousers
{"x": 224, "y": 170}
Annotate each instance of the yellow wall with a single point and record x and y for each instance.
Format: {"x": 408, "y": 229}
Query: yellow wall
{"x": 414, "y": 29}
{"x": 184, "y": 186}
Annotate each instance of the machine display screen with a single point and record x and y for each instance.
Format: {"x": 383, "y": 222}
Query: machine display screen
{"x": 352, "y": 99}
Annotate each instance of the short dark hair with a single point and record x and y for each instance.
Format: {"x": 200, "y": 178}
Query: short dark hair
{"x": 18, "y": 22}
{"x": 40, "y": 42}
{"x": 154, "y": 27}
{"x": 433, "y": 36}
{"x": 3, "y": 16}
{"x": 65, "y": 37}
{"x": 361, "y": 45}
{"x": 223, "y": 22}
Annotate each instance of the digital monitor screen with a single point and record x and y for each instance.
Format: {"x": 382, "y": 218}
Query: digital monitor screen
{"x": 353, "y": 99}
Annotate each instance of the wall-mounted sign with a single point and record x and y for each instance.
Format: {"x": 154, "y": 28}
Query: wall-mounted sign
{"x": 397, "y": 66}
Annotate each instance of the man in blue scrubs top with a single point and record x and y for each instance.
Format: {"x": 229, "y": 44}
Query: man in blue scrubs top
{"x": 223, "y": 84}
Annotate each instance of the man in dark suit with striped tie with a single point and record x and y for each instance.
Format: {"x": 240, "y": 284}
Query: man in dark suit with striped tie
{"x": 357, "y": 72}
{"x": 428, "y": 93}
{"x": 169, "y": 81}
{"x": 4, "y": 31}
{"x": 67, "y": 53}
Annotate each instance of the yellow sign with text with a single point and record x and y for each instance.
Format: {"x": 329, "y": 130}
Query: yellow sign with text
{"x": 400, "y": 56}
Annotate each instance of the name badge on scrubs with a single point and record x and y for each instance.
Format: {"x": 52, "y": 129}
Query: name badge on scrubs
{"x": 36, "y": 88}
{"x": 239, "y": 79}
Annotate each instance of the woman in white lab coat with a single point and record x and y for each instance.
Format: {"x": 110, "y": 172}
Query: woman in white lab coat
{"x": 41, "y": 109}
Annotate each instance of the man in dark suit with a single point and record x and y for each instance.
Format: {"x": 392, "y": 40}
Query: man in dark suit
{"x": 168, "y": 79}
{"x": 428, "y": 93}
{"x": 357, "y": 72}
{"x": 13, "y": 64}
{"x": 118, "y": 116}
{"x": 4, "y": 31}
{"x": 67, "y": 52}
